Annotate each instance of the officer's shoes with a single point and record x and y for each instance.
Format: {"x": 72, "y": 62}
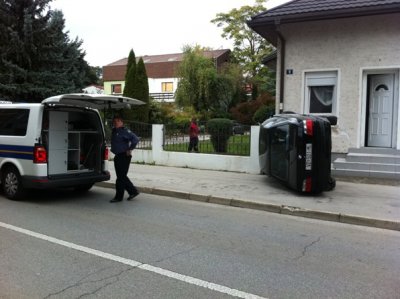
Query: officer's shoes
{"x": 115, "y": 200}
{"x": 132, "y": 196}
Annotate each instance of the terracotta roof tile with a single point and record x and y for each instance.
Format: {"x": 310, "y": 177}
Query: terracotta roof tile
{"x": 168, "y": 57}
{"x": 307, "y": 6}
{"x": 157, "y": 66}
{"x": 310, "y": 10}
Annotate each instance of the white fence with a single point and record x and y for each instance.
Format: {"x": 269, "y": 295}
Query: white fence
{"x": 158, "y": 156}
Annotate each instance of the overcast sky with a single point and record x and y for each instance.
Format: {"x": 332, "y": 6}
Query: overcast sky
{"x": 109, "y": 29}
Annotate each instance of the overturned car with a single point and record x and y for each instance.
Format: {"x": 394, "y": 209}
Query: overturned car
{"x": 296, "y": 149}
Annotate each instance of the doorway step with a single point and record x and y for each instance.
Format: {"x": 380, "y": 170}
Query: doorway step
{"x": 369, "y": 162}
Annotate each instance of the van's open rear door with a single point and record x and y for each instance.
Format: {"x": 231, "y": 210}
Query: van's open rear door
{"x": 96, "y": 101}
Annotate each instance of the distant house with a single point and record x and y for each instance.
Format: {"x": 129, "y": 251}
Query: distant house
{"x": 93, "y": 89}
{"x": 342, "y": 57}
{"x": 161, "y": 71}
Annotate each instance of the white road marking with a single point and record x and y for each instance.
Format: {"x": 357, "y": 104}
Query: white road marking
{"x": 133, "y": 263}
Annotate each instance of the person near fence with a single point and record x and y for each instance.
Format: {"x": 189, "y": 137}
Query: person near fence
{"x": 194, "y": 136}
{"x": 123, "y": 142}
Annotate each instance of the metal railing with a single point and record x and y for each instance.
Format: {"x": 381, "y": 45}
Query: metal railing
{"x": 176, "y": 138}
{"x": 142, "y": 130}
{"x": 163, "y": 96}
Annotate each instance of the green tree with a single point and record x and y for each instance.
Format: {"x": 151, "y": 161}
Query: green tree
{"x": 37, "y": 58}
{"x": 141, "y": 92}
{"x": 227, "y": 90}
{"x": 248, "y": 47}
{"x": 202, "y": 87}
{"x": 130, "y": 75}
{"x": 94, "y": 75}
{"x": 195, "y": 74}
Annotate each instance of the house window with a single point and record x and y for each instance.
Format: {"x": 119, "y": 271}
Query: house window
{"x": 320, "y": 92}
{"x": 167, "y": 87}
{"x": 116, "y": 88}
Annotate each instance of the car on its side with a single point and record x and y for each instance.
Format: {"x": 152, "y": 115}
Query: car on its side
{"x": 296, "y": 150}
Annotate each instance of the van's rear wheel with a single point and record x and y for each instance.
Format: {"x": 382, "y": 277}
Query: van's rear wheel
{"x": 12, "y": 185}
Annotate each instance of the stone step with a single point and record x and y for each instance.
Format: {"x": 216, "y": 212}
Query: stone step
{"x": 366, "y": 174}
{"x": 375, "y": 150}
{"x": 345, "y": 164}
{"x": 369, "y": 162}
{"x": 373, "y": 158}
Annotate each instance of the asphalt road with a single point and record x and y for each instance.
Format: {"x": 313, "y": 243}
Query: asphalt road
{"x": 63, "y": 245}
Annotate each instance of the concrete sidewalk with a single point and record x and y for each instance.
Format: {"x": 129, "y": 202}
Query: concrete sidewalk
{"x": 374, "y": 205}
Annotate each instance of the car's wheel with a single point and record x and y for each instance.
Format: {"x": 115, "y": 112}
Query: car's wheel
{"x": 12, "y": 185}
{"x": 83, "y": 188}
{"x": 331, "y": 184}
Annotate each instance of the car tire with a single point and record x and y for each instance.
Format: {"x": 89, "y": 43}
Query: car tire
{"x": 331, "y": 184}
{"x": 12, "y": 184}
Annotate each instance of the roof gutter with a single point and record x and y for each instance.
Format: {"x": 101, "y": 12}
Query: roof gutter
{"x": 282, "y": 70}
{"x": 271, "y": 18}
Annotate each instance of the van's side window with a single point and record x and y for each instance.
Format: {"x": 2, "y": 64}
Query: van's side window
{"x": 13, "y": 122}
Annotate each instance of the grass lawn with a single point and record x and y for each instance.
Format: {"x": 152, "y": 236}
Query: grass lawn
{"x": 237, "y": 145}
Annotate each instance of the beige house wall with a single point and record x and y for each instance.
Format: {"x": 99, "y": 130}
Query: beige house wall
{"x": 155, "y": 85}
{"x": 108, "y": 84}
{"x": 353, "y": 47}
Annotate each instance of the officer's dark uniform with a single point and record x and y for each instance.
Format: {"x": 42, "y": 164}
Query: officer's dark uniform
{"x": 123, "y": 141}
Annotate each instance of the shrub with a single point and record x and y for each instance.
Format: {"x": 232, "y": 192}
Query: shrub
{"x": 263, "y": 113}
{"x": 182, "y": 124}
{"x": 244, "y": 112}
{"x": 220, "y": 129}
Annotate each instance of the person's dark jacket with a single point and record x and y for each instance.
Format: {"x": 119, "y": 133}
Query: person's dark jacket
{"x": 123, "y": 140}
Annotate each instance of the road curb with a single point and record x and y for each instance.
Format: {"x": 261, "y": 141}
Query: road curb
{"x": 272, "y": 208}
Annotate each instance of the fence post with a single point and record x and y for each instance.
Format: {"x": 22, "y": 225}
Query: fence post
{"x": 157, "y": 142}
{"x": 254, "y": 166}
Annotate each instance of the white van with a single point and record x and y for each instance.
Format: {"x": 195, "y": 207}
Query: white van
{"x": 57, "y": 143}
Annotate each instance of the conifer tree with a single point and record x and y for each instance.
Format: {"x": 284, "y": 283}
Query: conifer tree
{"x": 141, "y": 92}
{"x": 37, "y": 58}
{"x": 130, "y": 75}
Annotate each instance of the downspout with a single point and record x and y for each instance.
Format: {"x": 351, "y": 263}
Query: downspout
{"x": 282, "y": 68}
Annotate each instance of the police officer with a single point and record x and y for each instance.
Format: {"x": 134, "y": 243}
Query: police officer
{"x": 123, "y": 141}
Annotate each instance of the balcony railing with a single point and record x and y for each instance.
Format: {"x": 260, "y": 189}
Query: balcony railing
{"x": 163, "y": 96}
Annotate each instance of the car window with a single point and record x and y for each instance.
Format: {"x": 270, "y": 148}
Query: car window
{"x": 13, "y": 122}
{"x": 279, "y": 156}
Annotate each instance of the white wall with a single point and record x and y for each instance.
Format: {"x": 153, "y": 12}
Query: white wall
{"x": 158, "y": 156}
{"x": 350, "y": 46}
{"x": 155, "y": 84}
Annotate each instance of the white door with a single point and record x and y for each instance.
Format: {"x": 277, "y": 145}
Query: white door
{"x": 380, "y": 121}
{"x": 58, "y": 142}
